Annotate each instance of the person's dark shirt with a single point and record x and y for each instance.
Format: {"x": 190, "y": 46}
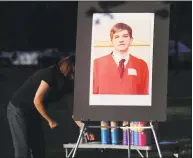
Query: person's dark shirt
{"x": 58, "y": 86}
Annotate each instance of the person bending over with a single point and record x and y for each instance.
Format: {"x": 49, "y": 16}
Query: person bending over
{"x": 29, "y": 103}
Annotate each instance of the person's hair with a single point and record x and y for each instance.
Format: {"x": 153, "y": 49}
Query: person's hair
{"x": 120, "y": 27}
{"x": 70, "y": 62}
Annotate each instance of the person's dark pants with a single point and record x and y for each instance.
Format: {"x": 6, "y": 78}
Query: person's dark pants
{"x": 27, "y": 132}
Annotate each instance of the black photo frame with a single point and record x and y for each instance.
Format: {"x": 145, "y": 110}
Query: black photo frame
{"x": 157, "y": 111}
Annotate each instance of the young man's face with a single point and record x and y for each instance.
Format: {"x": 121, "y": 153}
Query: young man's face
{"x": 121, "y": 41}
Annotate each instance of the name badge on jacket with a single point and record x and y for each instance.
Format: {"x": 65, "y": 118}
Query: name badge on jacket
{"x": 132, "y": 72}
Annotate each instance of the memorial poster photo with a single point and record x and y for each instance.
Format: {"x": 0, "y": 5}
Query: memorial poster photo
{"x": 121, "y": 59}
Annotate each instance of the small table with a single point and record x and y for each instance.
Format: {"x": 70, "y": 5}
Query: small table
{"x": 98, "y": 145}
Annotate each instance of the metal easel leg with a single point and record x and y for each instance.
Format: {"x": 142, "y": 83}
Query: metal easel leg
{"x": 140, "y": 153}
{"x": 66, "y": 152}
{"x": 156, "y": 141}
{"x": 78, "y": 141}
{"x": 70, "y": 152}
{"x": 147, "y": 155}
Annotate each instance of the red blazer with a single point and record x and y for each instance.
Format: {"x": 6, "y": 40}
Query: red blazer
{"x": 106, "y": 78}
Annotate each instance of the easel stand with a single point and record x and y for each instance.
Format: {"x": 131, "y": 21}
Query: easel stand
{"x": 129, "y": 147}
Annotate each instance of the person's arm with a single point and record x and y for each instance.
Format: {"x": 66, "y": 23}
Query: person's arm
{"x": 38, "y": 102}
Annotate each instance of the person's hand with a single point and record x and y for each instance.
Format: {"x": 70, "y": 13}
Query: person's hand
{"x": 52, "y": 124}
{"x": 90, "y": 136}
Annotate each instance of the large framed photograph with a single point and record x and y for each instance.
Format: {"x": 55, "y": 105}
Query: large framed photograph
{"x": 121, "y": 61}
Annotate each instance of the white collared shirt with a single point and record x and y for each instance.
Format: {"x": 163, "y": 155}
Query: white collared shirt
{"x": 117, "y": 57}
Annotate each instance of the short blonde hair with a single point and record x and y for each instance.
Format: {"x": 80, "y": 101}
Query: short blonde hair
{"x": 119, "y": 27}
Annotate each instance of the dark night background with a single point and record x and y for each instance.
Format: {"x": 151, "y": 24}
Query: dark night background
{"x": 37, "y": 26}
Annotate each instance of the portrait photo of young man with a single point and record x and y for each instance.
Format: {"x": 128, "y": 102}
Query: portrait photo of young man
{"x": 121, "y": 58}
{"x": 119, "y": 72}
